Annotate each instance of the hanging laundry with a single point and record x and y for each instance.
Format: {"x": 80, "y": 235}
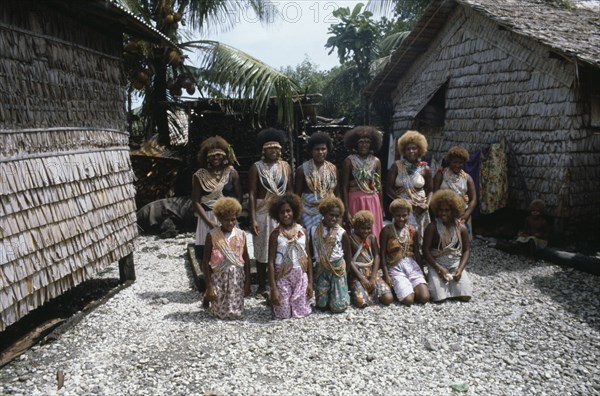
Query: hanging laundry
{"x": 493, "y": 179}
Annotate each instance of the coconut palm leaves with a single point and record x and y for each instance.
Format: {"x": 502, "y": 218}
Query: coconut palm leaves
{"x": 239, "y": 75}
{"x": 223, "y": 70}
{"x": 385, "y": 48}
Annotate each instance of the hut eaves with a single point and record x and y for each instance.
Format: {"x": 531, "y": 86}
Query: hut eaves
{"x": 572, "y": 33}
{"x": 112, "y": 16}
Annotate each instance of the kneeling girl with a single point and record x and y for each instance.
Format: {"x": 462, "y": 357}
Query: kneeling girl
{"x": 290, "y": 275}
{"x": 401, "y": 256}
{"x": 226, "y": 264}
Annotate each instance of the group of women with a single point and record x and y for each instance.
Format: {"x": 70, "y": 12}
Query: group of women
{"x": 360, "y": 188}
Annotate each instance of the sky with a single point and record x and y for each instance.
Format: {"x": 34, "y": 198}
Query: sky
{"x": 300, "y": 31}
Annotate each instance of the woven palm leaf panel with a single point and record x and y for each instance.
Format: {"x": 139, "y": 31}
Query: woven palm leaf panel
{"x": 66, "y": 197}
{"x": 501, "y": 85}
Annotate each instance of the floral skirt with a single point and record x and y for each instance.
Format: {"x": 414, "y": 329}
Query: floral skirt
{"x": 360, "y": 297}
{"x": 229, "y": 287}
{"x": 292, "y": 292}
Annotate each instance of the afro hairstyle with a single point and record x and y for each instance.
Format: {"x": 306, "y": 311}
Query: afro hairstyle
{"x": 363, "y": 218}
{"x": 319, "y": 137}
{"x": 449, "y": 197}
{"x": 400, "y": 203}
{"x": 457, "y": 152}
{"x": 414, "y": 137}
{"x": 215, "y": 142}
{"x": 352, "y": 137}
{"x": 537, "y": 205}
{"x": 271, "y": 135}
{"x": 329, "y": 203}
{"x": 288, "y": 198}
{"x": 227, "y": 206}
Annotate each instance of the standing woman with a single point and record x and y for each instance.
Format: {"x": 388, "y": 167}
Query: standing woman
{"x": 410, "y": 178}
{"x": 361, "y": 175}
{"x": 316, "y": 178}
{"x": 215, "y": 179}
{"x": 454, "y": 178}
{"x": 269, "y": 178}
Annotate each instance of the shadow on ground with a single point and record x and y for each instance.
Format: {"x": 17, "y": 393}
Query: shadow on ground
{"x": 576, "y": 292}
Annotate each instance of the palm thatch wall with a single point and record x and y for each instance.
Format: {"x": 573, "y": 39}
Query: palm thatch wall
{"x": 66, "y": 182}
{"x": 470, "y": 78}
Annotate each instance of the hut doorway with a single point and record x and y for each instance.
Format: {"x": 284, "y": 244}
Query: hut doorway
{"x": 430, "y": 120}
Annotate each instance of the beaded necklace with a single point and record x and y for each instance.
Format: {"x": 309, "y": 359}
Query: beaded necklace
{"x": 320, "y": 180}
{"x": 325, "y": 244}
{"x": 408, "y": 173}
{"x": 363, "y": 170}
{"x": 457, "y": 182}
{"x": 212, "y": 184}
{"x": 405, "y": 244}
{"x": 450, "y": 241}
{"x": 294, "y": 249}
{"x": 272, "y": 176}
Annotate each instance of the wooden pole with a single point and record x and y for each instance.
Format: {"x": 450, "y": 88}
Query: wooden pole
{"x": 126, "y": 269}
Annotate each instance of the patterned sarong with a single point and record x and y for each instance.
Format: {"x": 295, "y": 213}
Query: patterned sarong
{"x": 227, "y": 274}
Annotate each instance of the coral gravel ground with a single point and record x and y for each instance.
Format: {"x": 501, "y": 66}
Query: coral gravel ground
{"x": 533, "y": 328}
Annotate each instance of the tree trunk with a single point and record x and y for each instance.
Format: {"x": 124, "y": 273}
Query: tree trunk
{"x": 159, "y": 100}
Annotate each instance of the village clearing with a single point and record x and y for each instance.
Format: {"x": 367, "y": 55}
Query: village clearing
{"x": 532, "y": 328}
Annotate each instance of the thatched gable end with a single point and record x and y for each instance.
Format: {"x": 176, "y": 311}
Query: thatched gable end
{"x": 66, "y": 193}
{"x": 473, "y": 73}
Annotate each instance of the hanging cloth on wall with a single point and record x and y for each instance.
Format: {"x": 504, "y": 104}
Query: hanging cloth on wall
{"x": 493, "y": 180}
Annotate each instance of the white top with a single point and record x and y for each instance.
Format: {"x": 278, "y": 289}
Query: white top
{"x": 338, "y": 251}
{"x": 282, "y": 248}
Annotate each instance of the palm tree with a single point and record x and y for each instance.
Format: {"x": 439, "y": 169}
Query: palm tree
{"x": 222, "y": 71}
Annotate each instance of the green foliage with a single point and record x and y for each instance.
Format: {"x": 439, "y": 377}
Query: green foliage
{"x": 341, "y": 93}
{"x": 405, "y": 12}
{"x": 354, "y": 37}
{"x": 307, "y": 75}
{"x": 160, "y": 75}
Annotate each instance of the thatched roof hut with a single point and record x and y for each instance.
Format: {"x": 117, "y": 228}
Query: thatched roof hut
{"x": 475, "y": 72}
{"x": 66, "y": 182}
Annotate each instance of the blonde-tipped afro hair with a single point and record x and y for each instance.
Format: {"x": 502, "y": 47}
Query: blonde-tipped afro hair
{"x": 227, "y": 206}
{"x": 215, "y": 142}
{"x": 449, "y": 197}
{"x": 363, "y": 218}
{"x": 415, "y": 138}
{"x": 400, "y": 203}
{"x": 457, "y": 152}
{"x": 329, "y": 203}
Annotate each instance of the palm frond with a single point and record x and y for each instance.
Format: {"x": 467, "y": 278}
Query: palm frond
{"x": 381, "y": 7}
{"x": 242, "y": 76}
{"x": 391, "y": 42}
{"x": 210, "y": 16}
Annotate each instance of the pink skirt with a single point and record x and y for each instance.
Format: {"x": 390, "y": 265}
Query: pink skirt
{"x": 358, "y": 200}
